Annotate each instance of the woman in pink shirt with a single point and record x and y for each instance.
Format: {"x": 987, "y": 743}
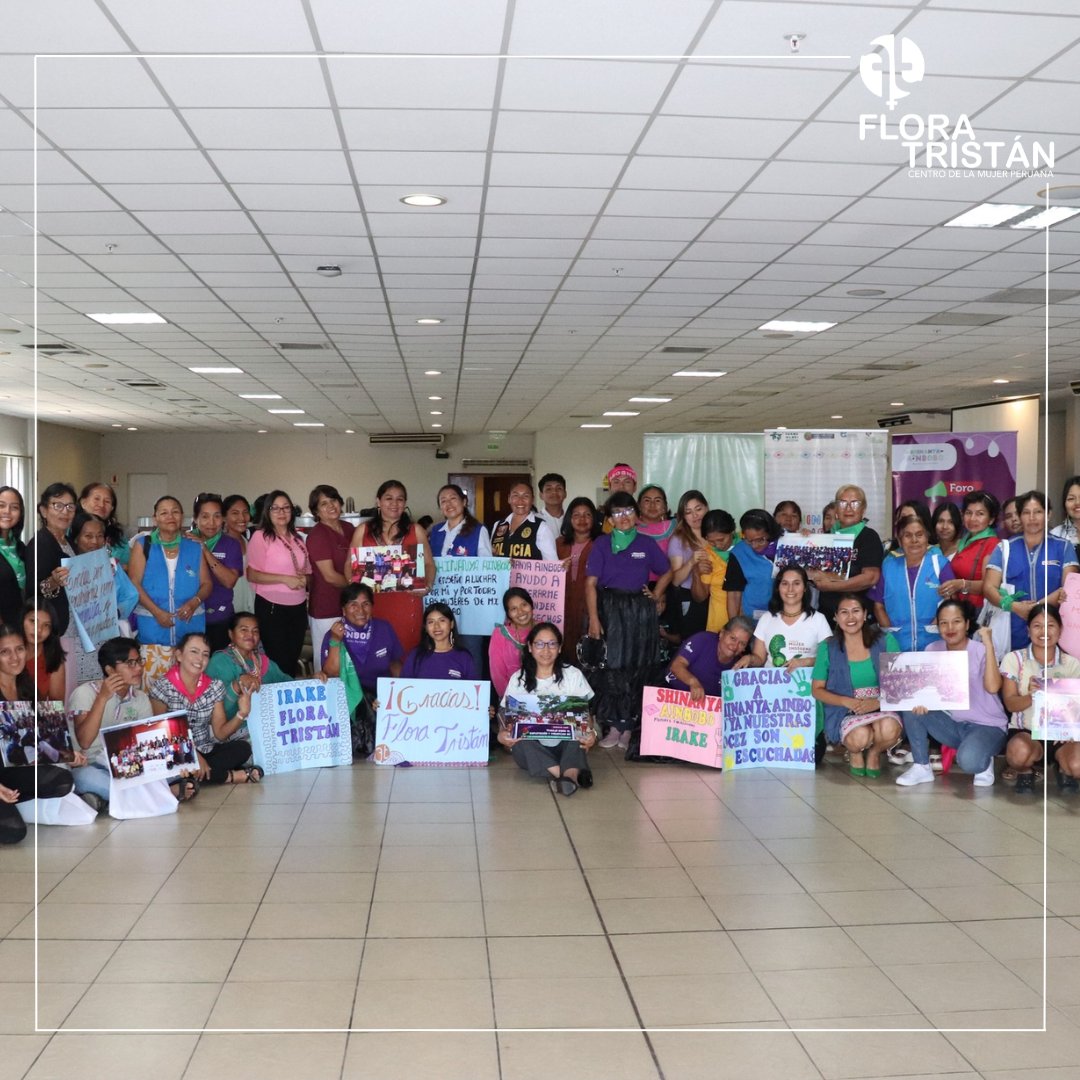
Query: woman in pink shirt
{"x": 279, "y": 569}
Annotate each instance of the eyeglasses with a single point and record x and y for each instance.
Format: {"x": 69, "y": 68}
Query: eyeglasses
{"x": 62, "y": 508}
{"x": 622, "y": 513}
{"x": 545, "y": 644}
{"x": 281, "y": 509}
{"x": 849, "y": 504}
{"x": 132, "y": 662}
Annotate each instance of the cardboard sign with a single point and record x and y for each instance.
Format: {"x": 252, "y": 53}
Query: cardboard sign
{"x": 547, "y": 716}
{"x": 388, "y": 568}
{"x": 473, "y": 588}
{"x": 931, "y": 680}
{"x": 29, "y": 738}
{"x": 1057, "y": 711}
{"x": 674, "y": 725}
{"x": 158, "y": 748}
{"x": 769, "y": 718}
{"x": 1070, "y": 616}
{"x": 432, "y": 722}
{"x": 91, "y": 593}
{"x": 829, "y": 552}
{"x": 300, "y": 725}
{"x": 545, "y": 582}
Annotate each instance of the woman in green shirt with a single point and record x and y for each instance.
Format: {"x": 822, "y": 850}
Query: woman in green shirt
{"x": 243, "y": 666}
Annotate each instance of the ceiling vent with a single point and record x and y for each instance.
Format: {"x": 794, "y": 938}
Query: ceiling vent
{"x": 683, "y": 350}
{"x": 302, "y": 346}
{"x": 903, "y": 366}
{"x": 142, "y": 384}
{"x": 959, "y": 318}
{"x": 856, "y": 376}
{"x": 56, "y": 348}
{"x": 521, "y": 464}
{"x": 894, "y": 421}
{"x": 1031, "y": 296}
{"x": 421, "y": 438}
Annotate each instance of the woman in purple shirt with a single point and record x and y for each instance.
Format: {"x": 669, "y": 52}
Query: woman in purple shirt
{"x": 224, "y": 559}
{"x": 370, "y": 643}
{"x": 623, "y": 610}
{"x": 437, "y": 655}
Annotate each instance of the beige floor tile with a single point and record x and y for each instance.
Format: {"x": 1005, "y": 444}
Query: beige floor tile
{"x": 425, "y": 958}
{"x": 75, "y": 922}
{"x": 297, "y": 960}
{"x": 423, "y": 1003}
{"x": 562, "y": 1002}
{"x": 19, "y": 1054}
{"x": 841, "y": 1056}
{"x": 1062, "y": 897}
{"x": 622, "y": 856}
{"x": 241, "y": 833}
{"x": 133, "y": 859}
{"x": 12, "y": 914}
{"x": 510, "y": 855}
{"x": 512, "y": 919}
{"x": 942, "y": 943}
{"x": 988, "y": 1051}
{"x": 886, "y": 848}
{"x": 198, "y": 961}
{"x": 54, "y": 1000}
{"x": 274, "y": 1057}
{"x": 629, "y": 884}
{"x": 692, "y": 853}
{"x": 877, "y": 907}
{"x": 590, "y": 1055}
{"x": 718, "y": 1056}
{"x": 188, "y": 887}
{"x": 1000, "y": 842}
{"x": 818, "y": 850}
{"x": 417, "y": 918}
{"x": 767, "y": 878}
{"x": 335, "y": 834}
{"x": 359, "y": 815}
{"x": 18, "y": 887}
{"x": 144, "y": 1005}
{"x": 1062, "y": 978}
{"x": 392, "y": 885}
{"x": 498, "y": 885}
{"x": 402, "y": 813}
{"x": 713, "y": 827}
{"x": 422, "y": 1056}
{"x": 805, "y": 824}
{"x": 844, "y": 877}
{"x": 942, "y": 873}
{"x": 1029, "y": 869}
{"x": 794, "y": 950}
{"x": 57, "y": 961}
{"x": 182, "y": 922}
{"x": 230, "y": 860}
{"x": 102, "y": 888}
{"x": 705, "y": 952}
{"x": 703, "y": 807}
{"x": 119, "y": 1057}
{"x": 242, "y": 815}
{"x": 427, "y": 834}
{"x": 818, "y": 993}
{"x": 287, "y": 888}
{"x": 988, "y": 902}
{"x": 540, "y": 957}
{"x": 745, "y": 911}
{"x": 1008, "y": 939}
{"x": 689, "y": 1000}
{"x": 648, "y": 916}
{"x": 310, "y": 919}
{"x": 614, "y": 832}
{"x": 297, "y": 1004}
{"x": 423, "y": 857}
{"x": 297, "y": 859}
{"x": 937, "y": 987}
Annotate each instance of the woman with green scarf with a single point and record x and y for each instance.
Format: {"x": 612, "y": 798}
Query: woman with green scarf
{"x": 976, "y": 546}
{"x": 867, "y": 553}
{"x": 13, "y": 550}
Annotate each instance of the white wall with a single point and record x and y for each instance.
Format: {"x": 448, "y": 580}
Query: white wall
{"x": 584, "y": 457}
{"x": 69, "y": 454}
{"x": 15, "y": 436}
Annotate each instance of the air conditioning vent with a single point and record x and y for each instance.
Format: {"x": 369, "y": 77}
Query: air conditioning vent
{"x": 683, "y": 350}
{"x": 422, "y": 438}
{"x": 142, "y": 384}
{"x": 302, "y": 346}
{"x": 56, "y": 347}
{"x": 959, "y": 318}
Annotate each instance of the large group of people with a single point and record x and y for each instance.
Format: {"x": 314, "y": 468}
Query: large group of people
{"x": 211, "y": 609}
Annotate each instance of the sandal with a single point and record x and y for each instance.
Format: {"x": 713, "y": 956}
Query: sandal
{"x": 567, "y": 786}
{"x": 1025, "y": 781}
{"x": 185, "y": 788}
{"x": 254, "y": 774}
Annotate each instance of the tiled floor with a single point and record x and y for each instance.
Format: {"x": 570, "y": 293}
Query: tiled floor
{"x": 666, "y": 897}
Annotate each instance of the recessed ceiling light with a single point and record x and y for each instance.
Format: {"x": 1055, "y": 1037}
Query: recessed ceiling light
{"x": 261, "y": 397}
{"x": 133, "y": 429}
{"x": 349, "y": 431}
{"x": 307, "y": 423}
{"x": 1001, "y": 382}
{"x": 836, "y": 416}
{"x": 432, "y": 372}
{"x": 118, "y": 318}
{"x": 596, "y": 425}
{"x": 649, "y": 400}
{"x": 780, "y": 427}
{"x": 866, "y": 292}
{"x": 436, "y": 412}
{"x": 896, "y": 403}
{"x": 434, "y": 397}
{"x": 698, "y": 374}
{"x": 216, "y": 370}
{"x": 428, "y": 322}
{"x": 286, "y": 412}
{"x": 118, "y": 425}
{"x": 261, "y": 431}
{"x": 1045, "y": 218}
{"x": 436, "y": 425}
{"x": 421, "y": 199}
{"x": 987, "y": 215}
{"x": 795, "y": 327}
{"x": 613, "y": 412}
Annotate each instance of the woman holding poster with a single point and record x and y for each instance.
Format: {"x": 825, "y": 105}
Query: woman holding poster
{"x": 243, "y": 666}
{"x": 846, "y": 681}
{"x": 789, "y": 635}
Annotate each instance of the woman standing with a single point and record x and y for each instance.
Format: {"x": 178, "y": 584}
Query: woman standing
{"x": 46, "y": 656}
{"x": 975, "y": 548}
{"x": 1026, "y": 569}
{"x": 99, "y": 499}
{"x": 47, "y": 577}
{"x": 12, "y": 556}
{"x": 580, "y": 527}
{"x": 459, "y": 535}
{"x": 224, "y": 560}
{"x": 846, "y": 681}
{"x": 237, "y": 521}
{"x": 173, "y": 581}
{"x": 278, "y": 569}
{"x": 710, "y": 568}
{"x": 748, "y": 581}
{"x": 685, "y": 543}
{"x": 623, "y": 610}
{"x": 328, "y": 550}
{"x": 243, "y": 666}
{"x": 789, "y": 635}
{"x": 438, "y": 656}
{"x": 1069, "y": 529}
{"x": 1010, "y": 518}
{"x": 977, "y": 733}
{"x": 947, "y": 526}
{"x": 562, "y": 762}
{"x": 654, "y": 518}
{"x": 523, "y": 534}
{"x": 508, "y": 641}
{"x": 788, "y": 514}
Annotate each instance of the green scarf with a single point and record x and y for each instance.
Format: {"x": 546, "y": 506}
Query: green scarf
{"x": 972, "y": 537}
{"x": 155, "y": 538}
{"x": 725, "y": 555}
{"x": 212, "y": 542}
{"x": 848, "y": 530}
{"x": 621, "y": 539}
{"x": 18, "y": 567}
{"x": 354, "y": 692}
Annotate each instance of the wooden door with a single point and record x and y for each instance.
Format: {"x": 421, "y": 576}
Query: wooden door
{"x": 496, "y": 491}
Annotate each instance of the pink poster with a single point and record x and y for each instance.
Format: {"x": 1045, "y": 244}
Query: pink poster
{"x": 545, "y": 582}
{"x": 1070, "y": 616}
{"x": 674, "y": 725}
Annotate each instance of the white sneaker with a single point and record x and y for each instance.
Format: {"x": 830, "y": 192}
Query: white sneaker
{"x": 986, "y": 777}
{"x": 610, "y": 739}
{"x": 624, "y": 740}
{"x": 917, "y": 774}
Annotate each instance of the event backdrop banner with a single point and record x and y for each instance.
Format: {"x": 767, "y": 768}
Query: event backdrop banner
{"x": 545, "y": 582}
{"x": 944, "y": 467}
{"x": 432, "y": 722}
{"x": 300, "y": 725}
{"x": 91, "y": 593}
{"x": 473, "y": 588}
{"x": 674, "y": 725}
{"x": 725, "y": 468}
{"x": 809, "y": 467}
{"x": 769, "y": 718}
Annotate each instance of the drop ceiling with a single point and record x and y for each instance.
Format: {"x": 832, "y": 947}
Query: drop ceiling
{"x": 613, "y": 189}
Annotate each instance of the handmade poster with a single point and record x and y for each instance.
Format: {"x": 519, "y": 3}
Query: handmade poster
{"x": 547, "y": 716}
{"x": 473, "y": 588}
{"x": 91, "y": 593}
{"x": 441, "y": 722}
{"x": 674, "y": 725}
{"x": 769, "y": 717}
{"x": 829, "y": 552}
{"x": 388, "y": 568}
{"x": 933, "y": 680}
{"x": 300, "y": 725}
{"x": 809, "y": 467}
{"x": 157, "y": 748}
{"x": 1070, "y": 616}
{"x": 545, "y": 582}
{"x": 1057, "y": 711}
{"x": 27, "y": 738}
{"x": 941, "y": 467}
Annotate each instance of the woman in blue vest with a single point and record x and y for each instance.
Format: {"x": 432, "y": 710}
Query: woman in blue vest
{"x": 846, "y": 681}
{"x": 173, "y": 581}
{"x": 907, "y": 596}
{"x": 749, "y": 578}
{"x": 1028, "y": 568}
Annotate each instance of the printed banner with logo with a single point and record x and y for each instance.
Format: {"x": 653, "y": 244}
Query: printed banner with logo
{"x": 1057, "y": 711}
{"x": 473, "y": 588}
{"x": 809, "y": 467}
{"x": 91, "y": 593}
{"x": 946, "y": 466}
{"x": 545, "y": 582}
{"x": 769, "y": 717}
{"x": 674, "y": 725}
{"x": 432, "y": 722}
{"x": 300, "y": 725}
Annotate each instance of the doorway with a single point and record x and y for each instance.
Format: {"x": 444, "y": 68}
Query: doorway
{"x": 488, "y": 493}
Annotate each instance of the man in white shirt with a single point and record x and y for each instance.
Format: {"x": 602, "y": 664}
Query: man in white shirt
{"x": 553, "y": 494}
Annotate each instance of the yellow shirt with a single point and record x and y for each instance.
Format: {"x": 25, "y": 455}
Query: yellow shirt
{"x": 718, "y": 615}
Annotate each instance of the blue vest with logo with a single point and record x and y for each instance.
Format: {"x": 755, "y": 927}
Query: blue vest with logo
{"x": 912, "y": 610}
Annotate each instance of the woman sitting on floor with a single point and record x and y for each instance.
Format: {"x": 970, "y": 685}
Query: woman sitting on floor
{"x": 438, "y": 656}
{"x": 703, "y": 658}
{"x": 243, "y": 666}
